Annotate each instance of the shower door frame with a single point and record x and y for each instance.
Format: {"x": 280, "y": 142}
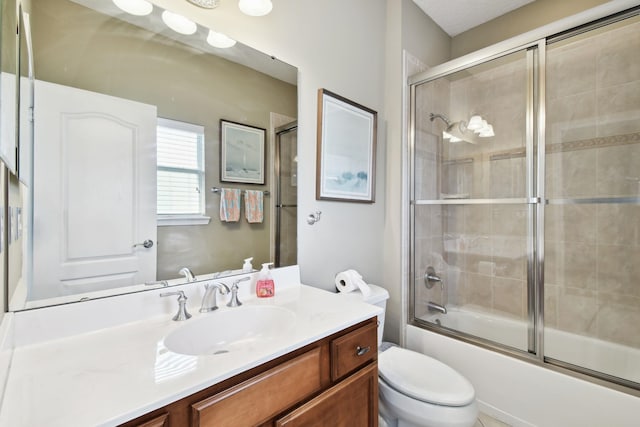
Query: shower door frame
{"x": 534, "y": 43}
{"x": 279, "y": 131}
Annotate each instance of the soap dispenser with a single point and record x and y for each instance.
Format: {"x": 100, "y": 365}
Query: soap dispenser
{"x": 265, "y": 287}
{"x": 247, "y": 267}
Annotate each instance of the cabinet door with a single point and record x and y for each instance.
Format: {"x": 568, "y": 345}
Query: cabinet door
{"x": 350, "y": 403}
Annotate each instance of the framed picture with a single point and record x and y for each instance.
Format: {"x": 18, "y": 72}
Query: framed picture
{"x": 242, "y": 153}
{"x": 345, "y": 166}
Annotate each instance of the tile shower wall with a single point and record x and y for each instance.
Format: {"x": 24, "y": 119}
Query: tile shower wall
{"x": 593, "y": 151}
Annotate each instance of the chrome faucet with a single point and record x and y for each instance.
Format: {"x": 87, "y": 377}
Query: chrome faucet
{"x": 182, "y": 313}
{"x": 434, "y": 306}
{"x": 234, "y": 302}
{"x": 210, "y": 295}
{"x": 188, "y": 274}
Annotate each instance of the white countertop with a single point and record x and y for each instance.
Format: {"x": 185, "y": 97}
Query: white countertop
{"x": 111, "y": 375}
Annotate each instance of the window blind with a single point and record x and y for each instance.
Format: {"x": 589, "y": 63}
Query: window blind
{"x": 180, "y": 157}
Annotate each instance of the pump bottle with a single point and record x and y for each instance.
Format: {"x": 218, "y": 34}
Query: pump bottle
{"x": 265, "y": 287}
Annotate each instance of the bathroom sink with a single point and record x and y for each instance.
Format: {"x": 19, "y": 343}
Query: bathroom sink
{"x": 231, "y": 330}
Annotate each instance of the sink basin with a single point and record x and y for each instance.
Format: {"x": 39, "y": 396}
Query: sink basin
{"x": 231, "y": 330}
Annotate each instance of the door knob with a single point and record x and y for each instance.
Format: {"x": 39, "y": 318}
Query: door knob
{"x": 147, "y": 244}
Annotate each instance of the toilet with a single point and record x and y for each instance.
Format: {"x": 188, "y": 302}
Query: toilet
{"x": 416, "y": 390}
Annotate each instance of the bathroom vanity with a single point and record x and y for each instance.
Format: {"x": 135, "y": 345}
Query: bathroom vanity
{"x": 332, "y": 381}
{"x": 107, "y": 362}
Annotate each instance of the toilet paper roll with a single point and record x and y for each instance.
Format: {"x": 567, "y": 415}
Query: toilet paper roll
{"x": 351, "y": 280}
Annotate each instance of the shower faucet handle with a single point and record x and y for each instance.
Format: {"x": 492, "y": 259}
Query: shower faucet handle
{"x": 430, "y": 278}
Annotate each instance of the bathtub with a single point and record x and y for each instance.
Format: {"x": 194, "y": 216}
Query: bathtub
{"x": 592, "y": 353}
{"x": 527, "y": 394}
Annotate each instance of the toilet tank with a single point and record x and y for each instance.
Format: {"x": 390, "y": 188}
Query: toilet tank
{"x": 378, "y": 297}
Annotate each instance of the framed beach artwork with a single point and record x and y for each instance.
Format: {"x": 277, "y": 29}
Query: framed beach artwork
{"x": 242, "y": 153}
{"x": 345, "y": 165}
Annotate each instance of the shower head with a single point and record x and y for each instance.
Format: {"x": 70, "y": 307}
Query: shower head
{"x": 461, "y": 131}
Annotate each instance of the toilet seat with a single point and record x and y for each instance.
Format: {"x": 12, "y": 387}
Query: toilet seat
{"x": 424, "y": 378}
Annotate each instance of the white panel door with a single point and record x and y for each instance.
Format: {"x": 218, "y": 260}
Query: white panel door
{"x": 94, "y": 191}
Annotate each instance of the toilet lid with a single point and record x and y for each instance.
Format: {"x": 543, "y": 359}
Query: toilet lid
{"x": 424, "y": 378}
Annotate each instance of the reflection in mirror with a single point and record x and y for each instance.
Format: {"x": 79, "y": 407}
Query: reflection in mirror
{"x": 104, "y": 165}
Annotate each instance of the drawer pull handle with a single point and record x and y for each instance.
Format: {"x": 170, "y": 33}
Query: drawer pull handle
{"x": 361, "y": 351}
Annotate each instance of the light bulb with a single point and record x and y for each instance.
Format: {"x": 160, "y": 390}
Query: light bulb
{"x": 486, "y": 132}
{"x": 255, "y": 7}
{"x": 179, "y": 23}
{"x": 220, "y": 40}
{"x": 475, "y": 123}
{"x": 134, "y": 7}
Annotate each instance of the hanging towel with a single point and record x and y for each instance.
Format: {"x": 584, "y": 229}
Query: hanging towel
{"x": 230, "y": 204}
{"x": 253, "y": 206}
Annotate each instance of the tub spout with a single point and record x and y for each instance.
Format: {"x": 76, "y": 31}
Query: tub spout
{"x": 434, "y": 306}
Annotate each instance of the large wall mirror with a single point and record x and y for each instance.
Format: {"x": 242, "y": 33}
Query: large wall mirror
{"x": 114, "y": 189}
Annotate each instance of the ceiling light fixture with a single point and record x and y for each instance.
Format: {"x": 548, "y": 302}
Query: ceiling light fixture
{"x": 134, "y": 7}
{"x": 220, "y": 40}
{"x": 255, "y": 7}
{"x": 179, "y": 23}
{"x": 207, "y": 4}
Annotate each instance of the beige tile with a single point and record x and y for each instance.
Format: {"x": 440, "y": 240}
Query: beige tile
{"x": 619, "y": 270}
{"x": 571, "y": 69}
{"x": 510, "y": 257}
{"x": 507, "y": 178}
{"x": 551, "y": 305}
{"x": 617, "y": 59}
{"x": 570, "y": 223}
{"x": 477, "y": 220}
{"x": 577, "y": 311}
{"x": 572, "y": 118}
{"x": 618, "y": 109}
{"x": 618, "y": 323}
{"x": 508, "y": 297}
{"x": 510, "y": 220}
{"x": 571, "y": 174}
{"x": 618, "y": 225}
{"x": 618, "y": 171}
{"x": 453, "y": 219}
{"x": 478, "y": 291}
{"x": 571, "y": 264}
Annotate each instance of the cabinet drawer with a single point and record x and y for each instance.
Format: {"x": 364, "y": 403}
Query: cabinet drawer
{"x": 160, "y": 421}
{"x": 353, "y": 350}
{"x": 262, "y": 397}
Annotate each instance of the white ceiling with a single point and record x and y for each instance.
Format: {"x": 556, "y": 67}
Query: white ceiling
{"x": 458, "y": 16}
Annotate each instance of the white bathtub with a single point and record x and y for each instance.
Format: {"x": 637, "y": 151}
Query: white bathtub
{"x": 526, "y": 394}
{"x": 603, "y": 356}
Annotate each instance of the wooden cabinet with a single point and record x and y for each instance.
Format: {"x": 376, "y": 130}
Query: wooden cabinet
{"x": 350, "y": 403}
{"x": 333, "y": 381}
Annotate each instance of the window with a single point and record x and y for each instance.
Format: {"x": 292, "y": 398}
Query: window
{"x": 180, "y": 157}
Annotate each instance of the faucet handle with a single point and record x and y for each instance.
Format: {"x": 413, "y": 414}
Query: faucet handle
{"x": 234, "y": 301}
{"x": 182, "y": 313}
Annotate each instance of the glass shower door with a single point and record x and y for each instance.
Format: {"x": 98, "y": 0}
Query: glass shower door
{"x": 592, "y": 218}
{"x": 286, "y": 238}
{"x": 471, "y": 203}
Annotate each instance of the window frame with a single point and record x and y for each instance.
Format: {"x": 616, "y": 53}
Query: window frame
{"x": 187, "y": 218}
